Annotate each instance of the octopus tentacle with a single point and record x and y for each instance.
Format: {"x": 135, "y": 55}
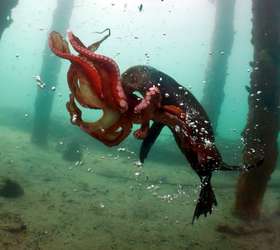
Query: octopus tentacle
{"x": 122, "y": 128}
{"x": 148, "y": 105}
{"x": 93, "y": 47}
{"x": 150, "y": 102}
{"x": 79, "y": 85}
{"x": 107, "y": 64}
{"x": 96, "y": 45}
{"x": 60, "y": 47}
{"x": 104, "y": 131}
{"x": 172, "y": 109}
{"x": 142, "y": 132}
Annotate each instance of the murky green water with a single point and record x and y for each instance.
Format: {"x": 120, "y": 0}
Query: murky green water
{"x": 80, "y": 194}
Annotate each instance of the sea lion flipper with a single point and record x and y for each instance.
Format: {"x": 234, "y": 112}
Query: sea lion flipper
{"x": 150, "y": 139}
{"x": 206, "y": 199}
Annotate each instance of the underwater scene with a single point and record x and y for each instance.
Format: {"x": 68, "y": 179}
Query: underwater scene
{"x": 139, "y": 124}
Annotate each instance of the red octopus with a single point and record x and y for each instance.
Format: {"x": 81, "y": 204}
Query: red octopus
{"x": 95, "y": 83}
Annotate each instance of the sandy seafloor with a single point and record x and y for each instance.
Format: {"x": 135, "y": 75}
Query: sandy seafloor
{"x": 102, "y": 203}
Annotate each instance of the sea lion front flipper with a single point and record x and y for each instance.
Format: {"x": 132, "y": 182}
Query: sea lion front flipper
{"x": 150, "y": 139}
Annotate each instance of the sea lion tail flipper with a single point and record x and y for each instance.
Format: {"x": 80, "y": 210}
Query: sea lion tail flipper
{"x": 150, "y": 139}
{"x": 206, "y": 199}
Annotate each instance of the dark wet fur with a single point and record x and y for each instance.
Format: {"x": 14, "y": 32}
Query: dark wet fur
{"x": 141, "y": 78}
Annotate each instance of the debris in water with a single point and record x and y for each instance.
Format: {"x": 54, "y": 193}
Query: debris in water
{"x": 78, "y": 163}
{"x": 138, "y": 163}
{"x": 39, "y": 82}
{"x": 121, "y": 149}
{"x": 140, "y": 7}
{"x": 137, "y": 173}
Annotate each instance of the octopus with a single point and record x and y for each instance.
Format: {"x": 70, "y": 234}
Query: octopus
{"x": 141, "y": 95}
